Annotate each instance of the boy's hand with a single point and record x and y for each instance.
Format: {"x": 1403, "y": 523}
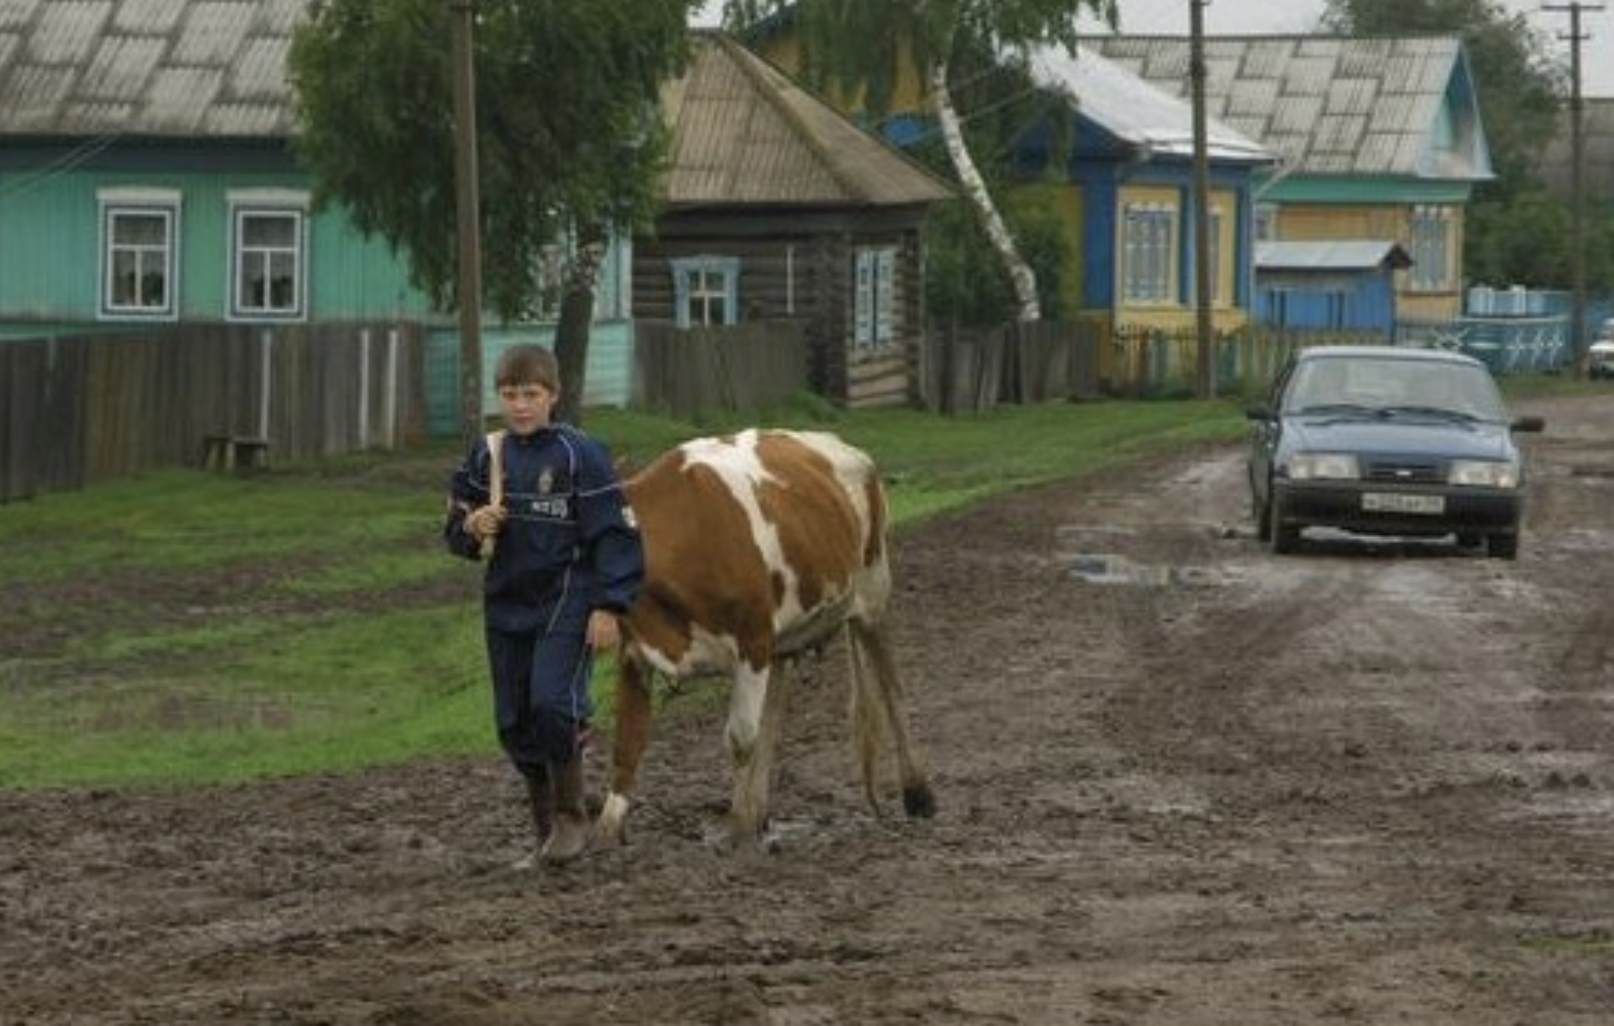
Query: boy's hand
{"x": 604, "y": 631}
{"x": 484, "y": 522}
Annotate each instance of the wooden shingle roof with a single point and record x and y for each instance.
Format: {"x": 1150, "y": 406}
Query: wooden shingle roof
{"x": 744, "y": 132}
{"x": 1331, "y": 105}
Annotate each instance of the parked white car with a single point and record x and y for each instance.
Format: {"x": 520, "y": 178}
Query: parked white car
{"x": 1600, "y": 355}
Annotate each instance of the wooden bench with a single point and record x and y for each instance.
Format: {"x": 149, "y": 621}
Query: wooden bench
{"x": 234, "y": 452}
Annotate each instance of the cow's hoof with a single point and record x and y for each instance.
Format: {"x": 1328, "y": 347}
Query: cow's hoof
{"x": 919, "y": 802}
{"x": 611, "y": 828}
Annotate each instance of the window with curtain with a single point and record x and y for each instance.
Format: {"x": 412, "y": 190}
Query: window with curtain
{"x": 140, "y": 236}
{"x": 268, "y": 255}
{"x": 1148, "y": 252}
{"x": 706, "y": 291}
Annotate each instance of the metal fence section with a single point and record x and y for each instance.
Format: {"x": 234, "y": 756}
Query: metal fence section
{"x": 85, "y": 408}
{"x": 1507, "y": 344}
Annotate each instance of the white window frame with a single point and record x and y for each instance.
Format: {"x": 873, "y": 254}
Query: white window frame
{"x": 121, "y": 206}
{"x": 706, "y": 291}
{"x": 1149, "y": 248}
{"x": 877, "y": 298}
{"x": 246, "y": 205}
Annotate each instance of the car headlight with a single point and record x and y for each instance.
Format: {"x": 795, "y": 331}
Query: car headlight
{"x": 1322, "y": 466}
{"x": 1484, "y": 474}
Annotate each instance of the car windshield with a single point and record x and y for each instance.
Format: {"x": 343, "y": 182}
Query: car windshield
{"x": 1389, "y": 385}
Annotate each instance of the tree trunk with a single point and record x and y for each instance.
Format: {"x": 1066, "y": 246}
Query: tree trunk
{"x": 1023, "y": 278}
{"x": 576, "y": 319}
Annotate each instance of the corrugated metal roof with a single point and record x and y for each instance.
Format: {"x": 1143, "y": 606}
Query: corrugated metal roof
{"x": 1329, "y": 104}
{"x": 744, "y": 132}
{"x": 1330, "y": 255}
{"x": 1135, "y": 111}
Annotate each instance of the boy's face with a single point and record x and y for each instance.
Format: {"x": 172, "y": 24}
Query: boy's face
{"x": 526, "y": 408}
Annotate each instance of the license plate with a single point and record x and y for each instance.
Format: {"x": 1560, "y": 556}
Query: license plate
{"x": 1395, "y": 502}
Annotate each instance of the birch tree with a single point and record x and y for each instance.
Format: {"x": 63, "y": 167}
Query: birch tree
{"x": 863, "y": 49}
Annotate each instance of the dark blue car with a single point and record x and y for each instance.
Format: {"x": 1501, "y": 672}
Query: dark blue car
{"x": 1386, "y": 440}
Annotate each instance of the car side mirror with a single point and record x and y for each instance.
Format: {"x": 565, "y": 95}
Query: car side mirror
{"x": 1258, "y": 411}
{"x": 1527, "y": 424}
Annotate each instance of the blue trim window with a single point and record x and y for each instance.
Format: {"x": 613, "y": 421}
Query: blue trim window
{"x": 140, "y": 254}
{"x": 706, "y": 291}
{"x": 876, "y": 302}
{"x": 1149, "y": 248}
{"x": 268, "y": 257}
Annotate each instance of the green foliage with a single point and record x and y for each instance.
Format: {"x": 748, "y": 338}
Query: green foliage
{"x": 566, "y": 126}
{"x": 965, "y": 282}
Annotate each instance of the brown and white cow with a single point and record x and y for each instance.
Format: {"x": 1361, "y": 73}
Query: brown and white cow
{"x": 761, "y": 546}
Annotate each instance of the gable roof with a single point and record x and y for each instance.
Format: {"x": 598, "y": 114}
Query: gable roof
{"x": 1137, "y": 112}
{"x": 745, "y": 132}
{"x": 1332, "y": 105}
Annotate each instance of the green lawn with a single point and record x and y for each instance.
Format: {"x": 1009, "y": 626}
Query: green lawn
{"x": 188, "y": 627}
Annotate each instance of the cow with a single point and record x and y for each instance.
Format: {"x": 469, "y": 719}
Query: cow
{"x": 760, "y": 546}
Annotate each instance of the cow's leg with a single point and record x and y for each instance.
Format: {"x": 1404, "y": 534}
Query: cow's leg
{"x": 756, "y": 708}
{"x": 633, "y": 710}
{"x": 867, "y": 717}
{"x": 871, "y": 639}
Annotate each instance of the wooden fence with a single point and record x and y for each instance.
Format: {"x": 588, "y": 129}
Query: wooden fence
{"x": 745, "y": 368}
{"x": 79, "y": 409}
{"x": 974, "y": 370}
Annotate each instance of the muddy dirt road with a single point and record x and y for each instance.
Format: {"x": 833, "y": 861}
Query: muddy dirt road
{"x": 1182, "y": 782}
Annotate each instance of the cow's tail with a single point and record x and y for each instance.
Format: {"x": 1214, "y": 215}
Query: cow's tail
{"x": 877, "y": 709}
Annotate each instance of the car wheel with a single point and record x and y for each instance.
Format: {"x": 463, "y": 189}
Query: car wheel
{"x": 1285, "y": 536}
{"x": 1502, "y": 546}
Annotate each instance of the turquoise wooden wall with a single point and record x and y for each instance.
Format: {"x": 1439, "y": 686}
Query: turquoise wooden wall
{"x": 50, "y": 249}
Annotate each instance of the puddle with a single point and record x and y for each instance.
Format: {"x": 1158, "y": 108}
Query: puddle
{"x": 1109, "y": 568}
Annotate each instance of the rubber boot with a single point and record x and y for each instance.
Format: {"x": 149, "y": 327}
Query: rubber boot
{"x": 570, "y": 836}
{"x": 541, "y": 804}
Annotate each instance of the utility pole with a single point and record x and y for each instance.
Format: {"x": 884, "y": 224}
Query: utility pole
{"x": 1204, "y": 328}
{"x": 1577, "y": 178}
{"x": 468, "y": 204}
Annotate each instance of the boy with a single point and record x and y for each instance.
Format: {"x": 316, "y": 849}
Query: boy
{"x": 542, "y": 502}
